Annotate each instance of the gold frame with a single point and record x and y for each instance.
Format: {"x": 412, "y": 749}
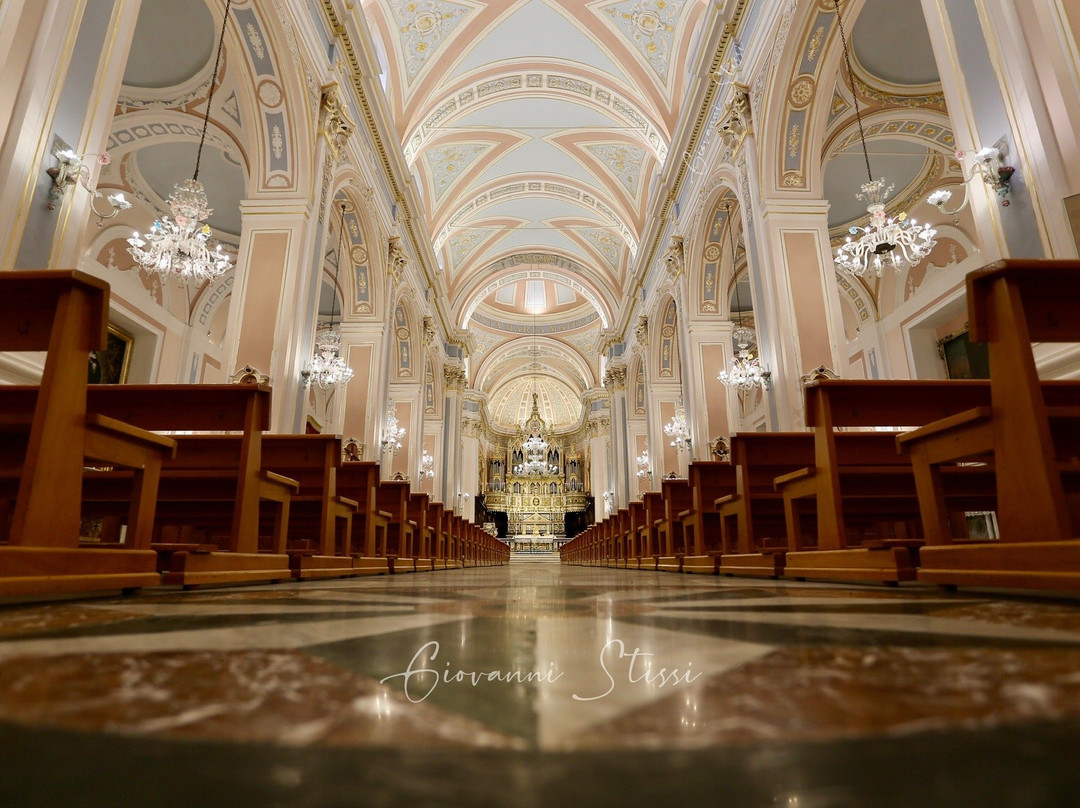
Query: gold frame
{"x": 118, "y": 348}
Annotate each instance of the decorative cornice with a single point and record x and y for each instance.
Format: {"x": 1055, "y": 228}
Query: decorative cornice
{"x": 455, "y": 378}
{"x": 615, "y": 378}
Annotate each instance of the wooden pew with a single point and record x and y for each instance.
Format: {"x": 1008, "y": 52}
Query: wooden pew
{"x": 636, "y": 519}
{"x": 66, "y": 314}
{"x": 320, "y": 518}
{"x": 392, "y": 496}
{"x": 853, "y": 468}
{"x": 622, "y": 538}
{"x": 752, "y": 524}
{"x": 359, "y": 481}
{"x": 418, "y": 513}
{"x": 708, "y": 480}
{"x": 1030, "y": 428}
{"x": 677, "y": 498}
{"x": 216, "y": 484}
{"x": 436, "y": 519}
{"x": 652, "y": 514}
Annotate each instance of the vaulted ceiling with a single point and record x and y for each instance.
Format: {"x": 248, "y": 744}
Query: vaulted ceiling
{"x": 535, "y": 129}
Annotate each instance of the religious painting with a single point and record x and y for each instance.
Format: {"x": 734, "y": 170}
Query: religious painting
{"x": 110, "y": 366}
{"x": 964, "y": 359}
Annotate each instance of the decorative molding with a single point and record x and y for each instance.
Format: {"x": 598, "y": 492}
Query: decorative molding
{"x": 455, "y": 378}
{"x": 397, "y": 260}
{"x": 736, "y": 126}
{"x": 641, "y": 330}
{"x": 334, "y": 122}
{"x": 249, "y": 375}
{"x": 615, "y": 378}
{"x": 429, "y": 330}
{"x": 675, "y": 258}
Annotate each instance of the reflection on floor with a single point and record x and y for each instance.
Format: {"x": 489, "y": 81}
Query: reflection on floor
{"x": 540, "y": 684}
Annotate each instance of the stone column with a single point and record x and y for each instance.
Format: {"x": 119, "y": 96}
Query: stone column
{"x": 453, "y": 479}
{"x": 598, "y": 430}
{"x": 619, "y": 482}
{"x": 270, "y": 302}
{"x": 795, "y": 294}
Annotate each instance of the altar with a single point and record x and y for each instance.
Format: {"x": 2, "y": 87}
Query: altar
{"x": 532, "y": 543}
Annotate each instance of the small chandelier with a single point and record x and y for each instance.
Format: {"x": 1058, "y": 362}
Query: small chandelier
{"x": 746, "y": 372}
{"x": 895, "y": 241}
{"x": 427, "y": 464}
{"x": 677, "y": 430}
{"x": 327, "y": 368}
{"x": 392, "y": 433}
{"x": 644, "y": 465}
{"x": 177, "y": 247}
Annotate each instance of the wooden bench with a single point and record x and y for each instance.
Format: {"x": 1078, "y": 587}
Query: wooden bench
{"x": 220, "y": 486}
{"x": 635, "y": 520}
{"x": 708, "y": 480}
{"x": 858, "y": 480}
{"x": 359, "y": 481}
{"x": 652, "y": 513}
{"x": 392, "y": 496}
{"x": 669, "y": 533}
{"x": 622, "y": 538}
{"x": 320, "y": 518}
{"x": 418, "y": 513}
{"x": 66, "y": 314}
{"x": 753, "y": 531}
{"x": 1030, "y": 427}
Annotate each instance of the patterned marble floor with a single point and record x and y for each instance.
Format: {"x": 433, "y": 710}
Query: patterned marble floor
{"x": 540, "y": 684}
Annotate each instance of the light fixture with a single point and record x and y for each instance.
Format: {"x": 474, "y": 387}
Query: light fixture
{"x": 327, "y": 368}
{"x": 988, "y": 163}
{"x": 677, "y": 430}
{"x": 71, "y": 169}
{"x": 644, "y": 465}
{"x": 895, "y": 241}
{"x": 427, "y": 464}
{"x": 534, "y": 449}
{"x": 177, "y": 247}
{"x": 392, "y": 433}
{"x": 746, "y": 371}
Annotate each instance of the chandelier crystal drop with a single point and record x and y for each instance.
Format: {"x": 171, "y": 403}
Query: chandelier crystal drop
{"x": 887, "y": 241}
{"x": 177, "y": 248}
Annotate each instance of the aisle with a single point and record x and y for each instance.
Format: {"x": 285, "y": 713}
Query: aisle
{"x": 651, "y": 681}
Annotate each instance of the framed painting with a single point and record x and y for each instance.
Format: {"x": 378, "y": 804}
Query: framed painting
{"x": 963, "y": 358}
{"x": 111, "y": 365}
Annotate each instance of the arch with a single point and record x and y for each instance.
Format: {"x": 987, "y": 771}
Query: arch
{"x": 548, "y": 266}
{"x": 668, "y": 366}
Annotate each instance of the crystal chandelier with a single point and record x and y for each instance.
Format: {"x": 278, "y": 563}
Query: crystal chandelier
{"x": 392, "y": 433}
{"x": 534, "y": 449}
{"x": 177, "y": 247}
{"x": 746, "y": 371}
{"x": 327, "y": 368}
{"x": 427, "y": 464}
{"x": 644, "y": 470}
{"x": 887, "y": 241}
{"x": 677, "y": 430}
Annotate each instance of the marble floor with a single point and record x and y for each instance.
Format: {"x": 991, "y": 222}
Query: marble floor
{"x": 539, "y": 684}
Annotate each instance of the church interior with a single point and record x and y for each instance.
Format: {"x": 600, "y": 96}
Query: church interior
{"x": 530, "y": 402}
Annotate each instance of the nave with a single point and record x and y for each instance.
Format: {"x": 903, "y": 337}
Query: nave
{"x": 298, "y": 694}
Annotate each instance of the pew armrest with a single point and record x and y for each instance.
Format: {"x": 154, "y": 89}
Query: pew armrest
{"x": 801, "y": 474}
{"x": 111, "y": 429}
{"x": 960, "y": 421}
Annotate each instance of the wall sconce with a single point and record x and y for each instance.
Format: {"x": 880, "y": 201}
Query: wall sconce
{"x": 427, "y": 464}
{"x": 71, "y": 170}
{"x": 392, "y": 433}
{"x": 988, "y": 163}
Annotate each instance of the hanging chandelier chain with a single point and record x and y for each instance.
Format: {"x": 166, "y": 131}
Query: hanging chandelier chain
{"x": 734, "y": 272}
{"x": 210, "y": 95}
{"x": 337, "y": 266}
{"x": 851, "y": 86}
